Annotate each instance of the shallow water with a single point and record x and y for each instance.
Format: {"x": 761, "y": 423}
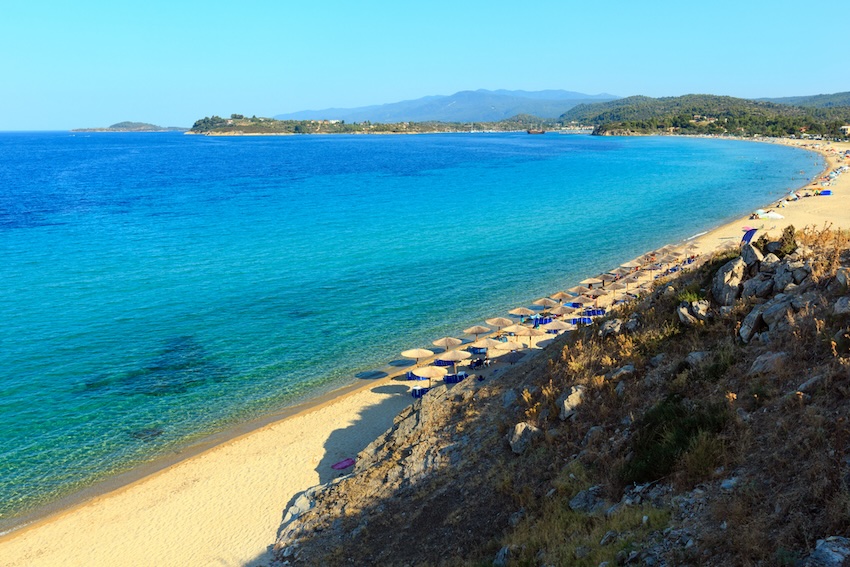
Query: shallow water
{"x": 158, "y": 287}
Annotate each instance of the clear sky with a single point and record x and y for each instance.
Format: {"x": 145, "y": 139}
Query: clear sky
{"x": 86, "y": 63}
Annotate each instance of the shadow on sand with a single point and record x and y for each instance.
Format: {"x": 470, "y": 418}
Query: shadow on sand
{"x": 349, "y": 441}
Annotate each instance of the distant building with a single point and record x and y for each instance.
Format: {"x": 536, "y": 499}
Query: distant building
{"x": 845, "y": 130}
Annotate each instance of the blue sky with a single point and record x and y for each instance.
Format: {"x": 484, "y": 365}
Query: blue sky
{"x": 84, "y": 63}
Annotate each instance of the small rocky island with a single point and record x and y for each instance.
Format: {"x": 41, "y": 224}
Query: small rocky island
{"x": 133, "y": 127}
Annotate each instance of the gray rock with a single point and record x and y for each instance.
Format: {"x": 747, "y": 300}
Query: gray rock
{"x": 751, "y": 255}
{"x": 699, "y": 309}
{"x": 620, "y": 389}
{"x": 696, "y": 358}
{"x": 569, "y": 401}
{"x": 593, "y": 434}
{"x": 729, "y": 484}
{"x": 611, "y": 327}
{"x": 843, "y": 276}
{"x": 726, "y": 286}
{"x": 759, "y": 286}
{"x": 509, "y": 398}
{"x": 782, "y": 277}
{"x": 752, "y": 323}
{"x": 658, "y": 360}
{"x": 522, "y": 436}
{"x": 726, "y": 310}
{"x": 633, "y": 324}
{"x": 773, "y": 247}
{"x": 769, "y": 362}
{"x": 502, "y": 556}
{"x": 800, "y": 274}
{"x": 609, "y": 536}
{"x": 623, "y": 372}
{"x": 685, "y": 315}
{"x": 776, "y": 310}
{"x": 833, "y": 551}
{"x": 810, "y": 385}
{"x": 769, "y": 263}
{"x": 588, "y": 501}
{"x": 842, "y": 306}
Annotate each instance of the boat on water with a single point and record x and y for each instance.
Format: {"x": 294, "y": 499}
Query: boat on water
{"x": 536, "y": 131}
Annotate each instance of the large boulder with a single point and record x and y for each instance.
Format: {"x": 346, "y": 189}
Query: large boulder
{"x": 842, "y": 306}
{"x": 769, "y": 362}
{"x": 522, "y": 436}
{"x": 588, "y": 501}
{"x": 685, "y": 315}
{"x": 752, "y": 324}
{"x": 726, "y": 286}
{"x": 760, "y": 286}
{"x": 610, "y": 327}
{"x": 783, "y": 276}
{"x": 833, "y": 551}
{"x": 752, "y": 256}
{"x": 699, "y": 309}
{"x": 777, "y": 310}
{"x": 769, "y": 263}
{"x": 569, "y": 401}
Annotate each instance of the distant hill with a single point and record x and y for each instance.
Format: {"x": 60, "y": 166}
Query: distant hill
{"x": 814, "y": 101}
{"x": 465, "y": 106}
{"x": 709, "y": 114}
{"x": 133, "y": 127}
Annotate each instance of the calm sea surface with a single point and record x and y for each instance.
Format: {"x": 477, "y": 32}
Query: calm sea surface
{"x": 159, "y": 287}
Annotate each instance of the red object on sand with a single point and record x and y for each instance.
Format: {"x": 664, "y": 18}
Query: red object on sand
{"x": 343, "y": 464}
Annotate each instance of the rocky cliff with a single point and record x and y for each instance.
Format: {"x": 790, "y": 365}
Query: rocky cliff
{"x": 703, "y": 425}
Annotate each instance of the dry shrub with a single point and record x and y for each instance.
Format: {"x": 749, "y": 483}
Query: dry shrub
{"x": 828, "y": 246}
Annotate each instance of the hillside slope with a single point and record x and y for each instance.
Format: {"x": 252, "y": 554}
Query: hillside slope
{"x": 716, "y": 436}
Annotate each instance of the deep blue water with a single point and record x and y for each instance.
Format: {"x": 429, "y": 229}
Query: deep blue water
{"x": 159, "y": 287}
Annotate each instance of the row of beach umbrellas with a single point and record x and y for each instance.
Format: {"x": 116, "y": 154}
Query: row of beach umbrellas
{"x": 619, "y": 279}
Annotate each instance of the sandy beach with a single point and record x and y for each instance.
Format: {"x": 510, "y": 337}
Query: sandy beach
{"x": 223, "y": 506}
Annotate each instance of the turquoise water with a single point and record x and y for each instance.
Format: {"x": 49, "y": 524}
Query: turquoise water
{"x": 159, "y": 287}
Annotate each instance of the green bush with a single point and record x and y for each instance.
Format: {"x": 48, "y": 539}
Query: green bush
{"x": 665, "y": 432}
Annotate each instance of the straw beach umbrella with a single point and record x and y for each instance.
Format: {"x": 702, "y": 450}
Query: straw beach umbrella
{"x": 488, "y": 344}
{"x": 560, "y": 296}
{"x": 590, "y": 282}
{"x": 562, "y": 310}
{"x": 558, "y": 326}
{"x": 477, "y": 330}
{"x": 578, "y": 290}
{"x": 499, "y": 322}
{"x": 530, "y": 333}
{"x": 430, "y": 372}
{"x": 447, "y": 342}
{"x": 455, "y": 356}
{"x": 515, "y": 329}
{"x": 417, "y": 353}
{"x": 521, "y": 311}
{"x": 545, "y": 302}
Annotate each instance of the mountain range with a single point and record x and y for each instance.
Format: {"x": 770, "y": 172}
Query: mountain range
{"x": 464, "y": 106}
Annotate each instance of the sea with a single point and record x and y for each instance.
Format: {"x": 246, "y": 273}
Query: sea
{"x": 156, "y": 288}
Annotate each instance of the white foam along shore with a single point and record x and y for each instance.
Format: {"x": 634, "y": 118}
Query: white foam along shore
{"x": 222, "y": 502}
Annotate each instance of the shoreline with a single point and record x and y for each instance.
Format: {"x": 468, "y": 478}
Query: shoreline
{"x": 163, "y": 493}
